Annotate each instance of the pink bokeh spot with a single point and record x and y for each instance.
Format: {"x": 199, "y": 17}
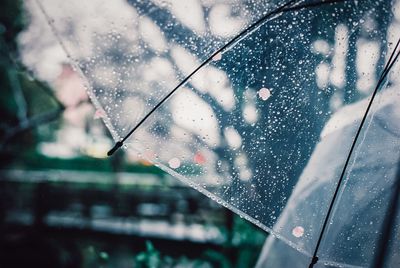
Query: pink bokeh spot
{"x": 264, "y": 93}
{"x": 217, "y": 56}
{"x": 298, "y": 231}
{"x": 70, "y": 87}
{"x": 199, "y": 158}
{"x": 174, "y": 163}
{"x": 99, "y": 114}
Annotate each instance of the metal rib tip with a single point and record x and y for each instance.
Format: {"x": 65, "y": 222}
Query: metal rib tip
{"x": 116, "y": 147}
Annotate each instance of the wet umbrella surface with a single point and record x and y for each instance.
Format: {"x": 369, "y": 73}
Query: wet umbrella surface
{"x": 285, "y": 112}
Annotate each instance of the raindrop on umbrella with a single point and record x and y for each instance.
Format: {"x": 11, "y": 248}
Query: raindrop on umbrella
{"x": 286, "y": 147}
{"x": 298, "y": 231}
{"x": 264, "y": 93}
{"x": 174, "y": 163}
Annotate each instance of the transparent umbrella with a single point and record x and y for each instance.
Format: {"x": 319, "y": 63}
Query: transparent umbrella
{"x": 276, "y": 110}
{"x": 354, "y": 231}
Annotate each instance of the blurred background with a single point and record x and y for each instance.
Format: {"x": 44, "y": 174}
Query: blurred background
{"x": 63, "y": 204}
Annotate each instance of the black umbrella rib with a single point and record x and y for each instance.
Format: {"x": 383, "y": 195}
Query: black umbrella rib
{"x": 392, "y": 59}
{"x": 289, "y": 6}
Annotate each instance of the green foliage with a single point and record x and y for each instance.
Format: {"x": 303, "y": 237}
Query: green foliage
{"x": 12, "y": 21}
{"x": 23, "y": 99}
{"x": 151, "y": 258}
{"x": 246, "y": 234}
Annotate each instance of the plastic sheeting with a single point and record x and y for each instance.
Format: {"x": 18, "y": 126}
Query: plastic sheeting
{"x": 249, "y": 124}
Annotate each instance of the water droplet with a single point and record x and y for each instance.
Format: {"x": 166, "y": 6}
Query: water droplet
{"x": 264, "y": 93}
{"x": 174, "y": 163}
{"x": 298, "y": 231}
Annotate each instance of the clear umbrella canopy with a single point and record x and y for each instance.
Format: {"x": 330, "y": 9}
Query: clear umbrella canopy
{"x": 355, "y": 226}
{"x": 247, "y": 126}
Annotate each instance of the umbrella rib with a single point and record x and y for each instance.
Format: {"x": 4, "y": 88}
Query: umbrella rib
{"x": 287, "y": 7}
{"x": 392, "y": 59}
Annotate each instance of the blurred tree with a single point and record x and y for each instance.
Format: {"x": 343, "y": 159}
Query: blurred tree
{"x": 25, "y": 102}
{"x": 11, "y": 23}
